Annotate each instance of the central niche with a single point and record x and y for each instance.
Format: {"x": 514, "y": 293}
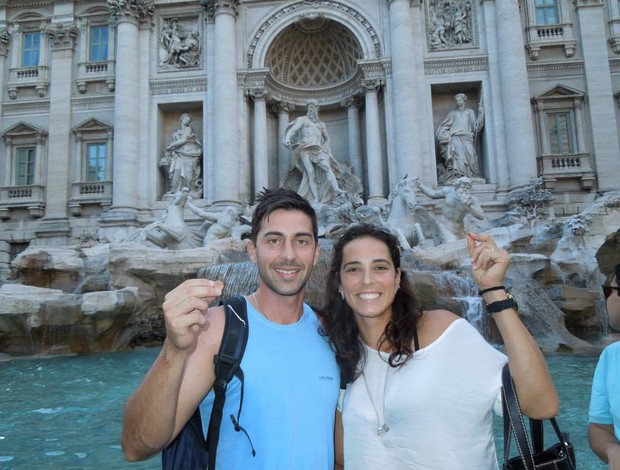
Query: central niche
{"x": 313, "y": 52}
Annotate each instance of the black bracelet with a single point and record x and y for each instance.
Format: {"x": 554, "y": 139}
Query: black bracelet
{"x": 484, "y": 291}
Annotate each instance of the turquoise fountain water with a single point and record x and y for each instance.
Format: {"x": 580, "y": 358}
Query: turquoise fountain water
{"x": 66, "y": 412}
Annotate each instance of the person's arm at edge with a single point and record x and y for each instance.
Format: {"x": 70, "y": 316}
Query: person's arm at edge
{"x": 604, "y": 444}
{"x": 173, "y": 387}
{"x": 338, "y": 443}
{"x": 537, "y": 394}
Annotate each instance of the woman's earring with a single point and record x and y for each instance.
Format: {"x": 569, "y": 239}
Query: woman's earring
{"x": 341, "y": 294}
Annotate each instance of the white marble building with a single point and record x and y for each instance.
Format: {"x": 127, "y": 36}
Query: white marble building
{"x": 92, "y": 91}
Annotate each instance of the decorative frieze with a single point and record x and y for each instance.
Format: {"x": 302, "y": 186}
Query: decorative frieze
{"x": 169, "y": 87}
{"x": 564, "y": 66}
{"x": 457, "y": 65}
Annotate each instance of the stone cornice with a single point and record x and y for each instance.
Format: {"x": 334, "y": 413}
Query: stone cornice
{"x": 588, "y": 3}
{"x": 553, "y": 66}
{"x": 18, "y": 108}
{"x": 456, "y": 65}
{"x": 92, "y": 102}
{"x": 27, "y": 4}
{"x": 167, "y": 87}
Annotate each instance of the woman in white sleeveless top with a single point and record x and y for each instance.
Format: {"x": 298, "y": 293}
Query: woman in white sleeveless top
{"x": 422, "y": 385}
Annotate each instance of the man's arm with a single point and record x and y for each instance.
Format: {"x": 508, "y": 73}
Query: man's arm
{"x": 182, "y": 374}
{"x": 604, "y": 444}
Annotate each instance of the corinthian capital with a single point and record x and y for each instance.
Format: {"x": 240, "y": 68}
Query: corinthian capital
{"x": 372, "y": 84}
{"x": 62, "y": 36}
{"x": 136, "y": 11}
{"x": 215, "y": 7}
{"x": 259, "y": 93}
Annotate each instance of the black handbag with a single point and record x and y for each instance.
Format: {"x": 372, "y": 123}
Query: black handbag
{"x": 532, "y": 456}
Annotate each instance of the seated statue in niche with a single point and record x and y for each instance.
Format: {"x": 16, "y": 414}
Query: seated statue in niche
{"x": 182, "y": 159}
{"x": 457, "y": 136}
{"x": 316, "y": 174}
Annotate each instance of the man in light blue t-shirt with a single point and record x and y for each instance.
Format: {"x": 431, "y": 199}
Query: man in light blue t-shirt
{"x": 604, "y": 429}
{"x": 291, "y": 379}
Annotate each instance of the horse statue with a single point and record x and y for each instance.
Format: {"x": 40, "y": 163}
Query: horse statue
{"x": 170, "y": 231}
{"x": 402, "y": 209}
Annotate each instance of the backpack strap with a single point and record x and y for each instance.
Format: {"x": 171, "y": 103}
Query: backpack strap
{"x": 227, "y": 365}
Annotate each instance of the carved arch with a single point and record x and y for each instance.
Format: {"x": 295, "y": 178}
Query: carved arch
{"x": 285, "y": 16}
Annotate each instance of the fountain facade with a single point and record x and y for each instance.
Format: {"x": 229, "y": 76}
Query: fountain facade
{"x": 114, "y": 206}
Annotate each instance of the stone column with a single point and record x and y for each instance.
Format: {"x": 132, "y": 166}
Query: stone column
{"x": 225, "y": 136}
{"x": 606, "y": 146}
{"x": 407, "y": 151}
{"x": 4, "y": 52}
{"x": 55, "y": 224}
{"x": 374, "y": 155}
{"x": 126, "y": 108}
{"x": 515, "y": 93}
{"x": 261, "y": 157}
{"x": 282, "y": 110}
{"x": 352, "y": 104}
{"x": 542, "y": 126}
{"x": 581, "y": 134}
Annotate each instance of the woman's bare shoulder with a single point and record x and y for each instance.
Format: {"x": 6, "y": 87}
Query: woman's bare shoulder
{"x": 433, "y": 323}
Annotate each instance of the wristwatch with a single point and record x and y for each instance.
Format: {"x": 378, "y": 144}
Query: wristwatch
{"x": 500, "y": 305}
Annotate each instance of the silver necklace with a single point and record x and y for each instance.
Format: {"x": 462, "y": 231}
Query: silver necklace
{"x": 381, "y": 428}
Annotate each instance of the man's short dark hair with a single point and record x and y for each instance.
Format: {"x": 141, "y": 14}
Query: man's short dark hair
{"x": 271, "y": 200}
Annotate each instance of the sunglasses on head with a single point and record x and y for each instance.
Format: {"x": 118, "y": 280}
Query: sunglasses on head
{"x": 608, "y": 289}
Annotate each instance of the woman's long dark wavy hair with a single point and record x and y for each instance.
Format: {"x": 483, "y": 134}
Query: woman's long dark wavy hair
{"x": 338, "y": 320}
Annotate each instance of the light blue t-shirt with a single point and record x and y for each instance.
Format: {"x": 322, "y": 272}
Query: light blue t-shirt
{"x": 605, "y": 399}
{"x": 291, "y": 385}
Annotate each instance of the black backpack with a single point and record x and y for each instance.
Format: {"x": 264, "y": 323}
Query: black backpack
{"x": 190, "y": 450}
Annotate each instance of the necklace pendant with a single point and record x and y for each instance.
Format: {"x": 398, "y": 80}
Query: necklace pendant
{"x": 381, "y": 430}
